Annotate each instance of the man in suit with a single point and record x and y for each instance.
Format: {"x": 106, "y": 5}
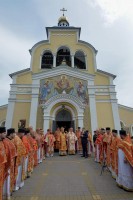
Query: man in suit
{"x": 84, "y": 140}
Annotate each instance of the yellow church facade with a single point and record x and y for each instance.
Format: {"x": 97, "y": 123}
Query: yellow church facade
{"x": 64, "y": 87}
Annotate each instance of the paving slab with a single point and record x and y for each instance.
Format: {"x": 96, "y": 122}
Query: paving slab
{"x": 70, "y": 178}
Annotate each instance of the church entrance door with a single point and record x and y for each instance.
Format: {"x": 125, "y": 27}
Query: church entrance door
{"x": 65, "y": 124}
{"x": 63, "y": 119}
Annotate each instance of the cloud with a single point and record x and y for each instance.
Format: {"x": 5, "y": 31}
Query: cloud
{"x": 112, "y": 10}
{"x": 14, "y": 56}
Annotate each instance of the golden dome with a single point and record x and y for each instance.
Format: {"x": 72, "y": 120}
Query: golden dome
{"x": 63, "y": 18}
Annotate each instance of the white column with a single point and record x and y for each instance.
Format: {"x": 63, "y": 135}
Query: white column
{"x": 72, "y": 59}
{"x": 10, "y": 112}
{"x": 80, "y": 121}
{"x": 46, "y": 119}
{"x": 34, "y": 104}
{"x": 11, "y": 104}
{"x": 54, "y": 60}
{"x": 116, "y": 115}
{"x": 46, "y": 123}
{"x": 93, "y": 112}
{"x": 115, "y": 110}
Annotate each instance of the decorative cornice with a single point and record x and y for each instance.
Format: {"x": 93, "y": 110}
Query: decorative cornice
{"x": 19, "y": 100}
{"x": 58, "y": 28}
{"x": 66, "y": 70}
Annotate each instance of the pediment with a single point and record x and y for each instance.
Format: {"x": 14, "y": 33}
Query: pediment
{"x": 64, "y": 70}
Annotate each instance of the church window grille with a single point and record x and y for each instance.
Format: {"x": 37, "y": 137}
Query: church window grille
{"x": 79, "y": 60}
{"x": 63, "y": 54}
{"x": 47, "y": 61}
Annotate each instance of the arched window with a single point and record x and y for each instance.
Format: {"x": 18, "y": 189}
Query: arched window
{"x": 2, "y": 124}
{"x": 63, "y": 56}
{"x": 122, "y": 124}
{"x": 131, "y": 130}
{"x": 79, "y": 60}
{"x": 47, "y": 60}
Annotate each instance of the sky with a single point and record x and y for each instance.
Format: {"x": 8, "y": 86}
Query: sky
{"x": 106, "y": 24}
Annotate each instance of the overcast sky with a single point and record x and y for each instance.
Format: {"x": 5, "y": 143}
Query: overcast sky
{"x": 106, "y": 24}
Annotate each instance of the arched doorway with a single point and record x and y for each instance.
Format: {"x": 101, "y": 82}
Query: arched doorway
{"x": 64, "y": 119}
{"x": 56, "y": 104}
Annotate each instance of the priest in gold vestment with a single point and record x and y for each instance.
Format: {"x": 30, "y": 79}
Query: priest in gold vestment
{"x": 63, "y": 145}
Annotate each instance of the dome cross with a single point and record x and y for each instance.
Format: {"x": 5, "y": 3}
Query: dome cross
{"x": 63, "y": 10}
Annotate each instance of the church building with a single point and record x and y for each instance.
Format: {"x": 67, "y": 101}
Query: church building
{"x": 64, "y": 87}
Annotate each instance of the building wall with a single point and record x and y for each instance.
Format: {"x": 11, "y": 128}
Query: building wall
{"x": 23, "y": 97}
{"x": 39, "y": 117}
{"x": 126, "y": 115}
{"x": 87, "y": 118}
{"x": 101, "y": 79}
{"x": 3, "y": 111}
{"x": 21, "y": 111}
{"x": 24, "y": 78}
{"x": 104, "y": 115}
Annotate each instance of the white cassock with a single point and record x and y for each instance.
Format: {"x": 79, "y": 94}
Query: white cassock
{"x": 97, "y": 153}
{"x": 71, "y": 142}
{"x": 19, "y": 181}
{"x": 6, "y": 187}
{"x": 125, "y": 172}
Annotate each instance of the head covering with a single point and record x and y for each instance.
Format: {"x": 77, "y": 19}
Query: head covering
{"x": 27, "y": 130}
{"x": 21, "y": 130}
{"x": 107, "y": 128}
{"x": 123, "y": 132}
{"x": 10, "y": 131}
{"x": 114, "y": 131}
{"x": 2, "y": 129}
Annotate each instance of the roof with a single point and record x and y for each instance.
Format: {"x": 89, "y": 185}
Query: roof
{"x": 125, "y": 107}
{"x": 106, "y": 73}
{"x": 3, "y": 106}
{"x": 88, "y": 44}
{"x": 19, "y": 72}
{"x": 40, "y": 42}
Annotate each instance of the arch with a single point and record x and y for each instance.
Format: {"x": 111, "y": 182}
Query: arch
{"x": 132, "y": 130}
{"x": 47, "y": 60}
{"x": 71, "y": 102}
{"x": 67, "y": 107}
{"x": 61, "y": 98}
{"x": 123, "y": 125}
{"x": 2, "y": 123}
{"x": 63, "y": 115}
{"x": 79, "y": 60}
{"x": 63, "y": 54}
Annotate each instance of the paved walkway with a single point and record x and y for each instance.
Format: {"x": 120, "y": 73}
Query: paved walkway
{"x": 70, "y": 178}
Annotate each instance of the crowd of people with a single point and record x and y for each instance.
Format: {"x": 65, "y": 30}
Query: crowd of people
{"x": 23, "y": 150}
{"x": 115, "y": 152}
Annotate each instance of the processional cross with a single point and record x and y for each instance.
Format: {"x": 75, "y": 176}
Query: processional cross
{"x": 63, "y": 10}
